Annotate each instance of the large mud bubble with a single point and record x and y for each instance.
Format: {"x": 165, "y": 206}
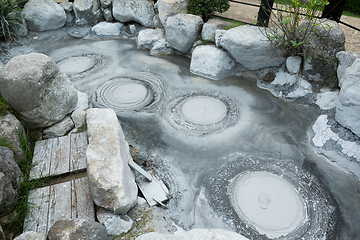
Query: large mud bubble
{"x": 201, "y": 112}
{"x": 131, "y": 92}
{"x": 272, "y": 199}
{"x": 80, "y": 64}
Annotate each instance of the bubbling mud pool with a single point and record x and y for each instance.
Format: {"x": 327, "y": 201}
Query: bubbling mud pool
{"x": 233, "y": 156}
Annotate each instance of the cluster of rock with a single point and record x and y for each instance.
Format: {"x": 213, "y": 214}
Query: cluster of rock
{"x": 44, "y": 97}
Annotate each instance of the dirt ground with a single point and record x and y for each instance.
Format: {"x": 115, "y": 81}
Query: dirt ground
{"x": 249, "y": 13}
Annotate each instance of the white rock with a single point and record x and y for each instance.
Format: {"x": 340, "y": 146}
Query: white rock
{"x": 218, "y": 36}
{"x": 323, "y": 133}
{"x": 327, "y": 100}
{"x": 346, "y": 59}
{"x": 182, "y": 30}
{"x": 194, "y": 234}
{"x": 148, "y": 37}
{"x": 83, "y": 101}
{"x": 59, "y": 129}
{"x": 107, "y": 29}
{"x": 302, "y": 89}
{"x": 250, "y": 48}
{"x": 293, "y": 64}
{"x": 212, "y": 62}
{"x": 209, "y": 29}
{"x": 112, "y": 182}
{"x": 161, "y": 47}
{"x": 283, "y": 78}
{"x": 43, "y": 15}
{"x": 114, "y": 224}
{"x": 168, "y": 8}
{"x": 37, "y": 89}
{"x": 141, "y": 11}
{"x": 108, "y": 15}
{"x": 87, "y": 11}
{"x": 348, "y": 104}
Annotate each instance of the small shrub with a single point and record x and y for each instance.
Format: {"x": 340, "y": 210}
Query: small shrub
{"x": 206, "y": 8}
{"x": 286, "y": 33}
{"x": 353, "y": 5}
{"x": 10, "y": 19}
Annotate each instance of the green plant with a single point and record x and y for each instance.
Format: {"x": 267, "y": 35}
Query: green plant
{"x": 294, "y": 24}
{"x": 21, "y": 207}
{"x": 206, "y": 8}
{"x": 10, "y": 19}
{"x": 353, "y": 5}
{"x": 4, "y": 107}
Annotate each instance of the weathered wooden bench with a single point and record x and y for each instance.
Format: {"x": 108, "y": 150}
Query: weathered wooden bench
{"x": 66, "y": 200}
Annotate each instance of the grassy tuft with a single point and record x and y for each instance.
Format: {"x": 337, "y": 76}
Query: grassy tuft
{"x": 4, "y": 107}
{"x": 21, "y": 207}
{"x": 10, "y": 19}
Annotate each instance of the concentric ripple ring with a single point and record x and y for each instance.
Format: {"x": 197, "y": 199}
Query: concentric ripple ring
{"x": 80, "y": 65}
{"x": 135, "y": 92}
{"x": 201, "y": 112}
{"x": 268, "y": 202}
{"x": 274, "y": 198}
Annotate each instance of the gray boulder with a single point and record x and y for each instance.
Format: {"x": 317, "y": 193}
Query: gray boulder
{"x": 209, "y": 29}
{"x": 250, "y": 48}
{"x": 321, "y": 48}
{"x": 115, "y": 224}
{"x": 77, "y": 229}
{"x": 212, "y": 62}
{"x": 112, "y": 182}
{"x": 348, "y": 104}
{"x": 11, "y": 179}
{"x": 31, "y": 236}
{"x": 194, "y": 234}
{"x": 59, "y": 129}
{"x": 37, "y": 89}
{"x": 148, "y": 37}
{"x": 168, "y": 8}
{"x": 43, "y": 15}
{"x": 10, "y": 128}
{"x": 107, "y": 29}
{"x": 182, "y": 30}
{"x": 346, "y": 59}
{"x": 141, "y": 11}
{"x": 87, "y": 12}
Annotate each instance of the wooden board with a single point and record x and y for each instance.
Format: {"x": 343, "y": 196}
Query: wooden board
{"x": 62, "y": 201}
{"x": 59, "y": 155}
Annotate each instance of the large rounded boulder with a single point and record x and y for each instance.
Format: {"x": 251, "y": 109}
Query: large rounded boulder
{"x": 37, "y": 89}
{"x": 44, "y": 15}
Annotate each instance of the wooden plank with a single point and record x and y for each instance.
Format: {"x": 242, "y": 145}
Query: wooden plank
{"x": 78, "y": 145}
{"x": 60, "y": 155}
{"x": 61, "y": 201}
{"x": 41, "y": 159}
{"x": 39, "y": 209}
{"x": 82, "y": 202}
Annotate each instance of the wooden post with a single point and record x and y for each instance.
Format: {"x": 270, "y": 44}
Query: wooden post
{"x": 334, "y": 10}
{"x": 264, "y": 13}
